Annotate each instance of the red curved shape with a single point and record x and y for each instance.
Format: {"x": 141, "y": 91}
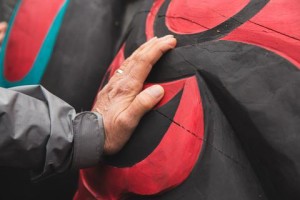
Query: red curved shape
{"x": 266, "y": 30}
{"x": 170, "y": 91}
{"x": 161, "y": 170}
{"x": 151, "y": 18}
{"x": 26, "y": 39}
{"x": 196, "y": 16}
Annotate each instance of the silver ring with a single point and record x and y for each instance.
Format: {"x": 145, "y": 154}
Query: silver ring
{"x": 119, "y": 71}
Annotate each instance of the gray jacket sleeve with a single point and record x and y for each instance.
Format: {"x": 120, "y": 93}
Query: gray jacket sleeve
{"x": 39, "y": 131}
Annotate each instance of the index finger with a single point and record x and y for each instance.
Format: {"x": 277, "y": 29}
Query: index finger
{"x": 142, "y": 62}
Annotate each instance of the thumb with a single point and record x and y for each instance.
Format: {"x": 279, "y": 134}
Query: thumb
{"x": 145, "y": 101}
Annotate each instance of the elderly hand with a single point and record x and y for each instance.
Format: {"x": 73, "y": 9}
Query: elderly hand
{"x": 121, "y": 102}
{"x": 3, "y": 27}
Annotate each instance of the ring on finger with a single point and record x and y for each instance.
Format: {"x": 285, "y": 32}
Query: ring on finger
{"x": 119, "y": 71}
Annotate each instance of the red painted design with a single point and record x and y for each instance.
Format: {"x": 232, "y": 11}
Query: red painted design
{"x": 161, "y": 170}
{"x": 151, "y": 18}
{"x": 275, "y": 28}
{"x": 170, "y": 90}
{"x": 264, "y": 30}
{"x": 26, "y": 39}
{"x": 194, "y": 16}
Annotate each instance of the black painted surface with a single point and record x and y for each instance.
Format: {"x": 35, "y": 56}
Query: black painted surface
{"x": 222, "y": 170}
{"x": 257, "y": 92}
{"x": 255, "y": 95}
{"x": 84, "y": 50}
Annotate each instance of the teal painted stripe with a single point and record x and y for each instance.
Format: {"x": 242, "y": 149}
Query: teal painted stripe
{"x": 37, "y": 71}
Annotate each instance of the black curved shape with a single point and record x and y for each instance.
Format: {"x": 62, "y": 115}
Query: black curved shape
{"x": 222, "y": 170}
{"x": 221, "y": 30}
{"x": 136, "y": 34}
{"x": 218, "y": 57}
{"x": 257, "y": 91}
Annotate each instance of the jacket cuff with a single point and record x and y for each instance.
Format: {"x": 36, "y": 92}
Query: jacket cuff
{"x": 88, "y": 139}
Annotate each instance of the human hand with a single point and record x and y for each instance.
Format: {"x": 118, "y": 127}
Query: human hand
{"x": 3, "y": 27}
{"x": 121, "y": 102}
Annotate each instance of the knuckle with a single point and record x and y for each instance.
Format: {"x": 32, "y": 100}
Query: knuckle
{"x": 108, "y": 88}
{"x": 112, "y": 90}
{"x": 124, "y": 87}
{"x": 144, "y": 63}
{"x": 133, "y": 82}
{"x": 118, "y": 89}
{"x": 142, "y": 59}
{"x": 130, "y": 85}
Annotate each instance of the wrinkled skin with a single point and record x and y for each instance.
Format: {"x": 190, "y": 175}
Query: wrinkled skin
{"x": 122, "y": 102}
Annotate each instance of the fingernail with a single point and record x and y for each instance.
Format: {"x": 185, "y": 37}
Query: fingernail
{"x": 171, "y": 42}
{"x": 167, "y": 37}
{"x": 156, "y": 91}
{"x": 154, "y": 38}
